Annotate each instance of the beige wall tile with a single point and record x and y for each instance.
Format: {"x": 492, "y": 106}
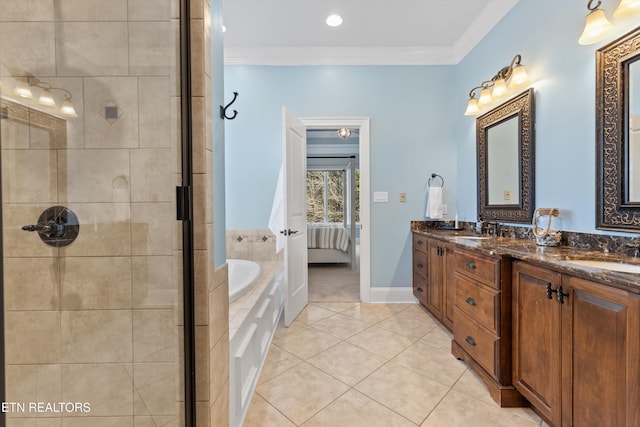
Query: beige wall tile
{"x": 32, "y": 383}
{"x": 203, "y": 362}
{"x": 156, "y": 281}
{"x": 26, "y": 10}
{"x": 29, "y": 47}
{"x": 152, "y": 228}
{"x": 219, "y": 366}
{"x": 32, "y": 337}
{"x": 156, "y": 385}
{"x": 220, "y": 407}
{"x": 96, "y": 336}
{"x": 152, "y": 47}
{"x": 157, "y": 113}
{"x": 121, "y": 92}
{"x": 219, "y": 313}
{"x": 95, "y": 283}
{"x": 91, "y": 49}
{"x": 16, "y": 243}
{"x": 152, "y": 175}
{"x": 31, "y": 284}
{"x": 29, "y": 176}
{"x": 155, "y": 336}
{"x": 91, "y": 10}
{"x": 104, "y": 230}
{"x": 202, "y": 414}
{"x": 151, "y": 10}
{"x": 202, "y": 266}
{"x": 34, "y": 422}
{"x": 199, "y": 143}
{"x": 94, "y": 175}
{"x": 197, "y": 58}
{"x": 107, "y": 386}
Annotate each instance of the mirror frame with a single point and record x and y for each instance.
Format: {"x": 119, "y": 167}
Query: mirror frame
{"x": 612, "y": 211}
{"x": 521, "y": 106}
{"x": 18, "y": 113}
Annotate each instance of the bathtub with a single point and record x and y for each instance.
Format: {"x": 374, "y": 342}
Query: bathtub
{"x": 242, "y": 276}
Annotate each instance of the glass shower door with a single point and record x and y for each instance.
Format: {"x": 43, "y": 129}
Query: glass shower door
{"x": 91, "y": 249}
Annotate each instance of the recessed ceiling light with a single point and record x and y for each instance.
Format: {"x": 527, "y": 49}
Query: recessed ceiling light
{"x": 334, "y": 20}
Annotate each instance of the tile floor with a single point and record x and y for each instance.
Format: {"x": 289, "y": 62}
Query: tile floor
{"x": 348, "y": 364}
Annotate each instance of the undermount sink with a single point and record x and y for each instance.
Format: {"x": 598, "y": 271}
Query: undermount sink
{"x": 607, "y": 265}
{"x": 471, "y": 237}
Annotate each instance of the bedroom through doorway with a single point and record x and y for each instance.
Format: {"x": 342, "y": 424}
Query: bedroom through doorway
{"x": 333, "y": 214}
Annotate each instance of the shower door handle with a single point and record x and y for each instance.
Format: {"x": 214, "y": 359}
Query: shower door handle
{"x": 57, "y": 226}
{"x": 288, "y": 232}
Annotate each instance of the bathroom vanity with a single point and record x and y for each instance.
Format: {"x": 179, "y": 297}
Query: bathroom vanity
{"x": 540, "y": 326}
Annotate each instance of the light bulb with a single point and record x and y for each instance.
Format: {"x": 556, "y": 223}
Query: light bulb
{"x": 46, "y": 98}
{"x": 499, "y": 88}
{"x": 519, "y": 77}
{"x": 22, "y": 90}
{"x": 485, "y": 97}
{"x": 334, "y": 20}
{"x": 596, "y": 28}
{"x": 627, "y": 8}
{"x": 67, "y": 108}
{"x": 472, "y": 107}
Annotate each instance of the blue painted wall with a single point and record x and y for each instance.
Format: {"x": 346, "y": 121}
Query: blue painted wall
{"x": 412, "y": 135}
{"x": 418, "y": 127}
{"x": 546, "y": 34}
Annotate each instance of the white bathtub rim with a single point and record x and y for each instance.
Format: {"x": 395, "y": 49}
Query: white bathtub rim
{"x": 243, "y": 275}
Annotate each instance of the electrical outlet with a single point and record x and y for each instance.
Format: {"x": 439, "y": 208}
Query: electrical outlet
{"x": 507, "y": 195}
{"x": 403, "y": 197}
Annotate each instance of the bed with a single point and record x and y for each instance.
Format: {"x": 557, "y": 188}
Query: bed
{"x": 336, "y": 242}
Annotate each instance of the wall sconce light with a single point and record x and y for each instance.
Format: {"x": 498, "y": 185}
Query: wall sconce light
{"x": 23, "y": 90}
{"x": 512, "y": 76}
{"x": 343, "y": 133}
{"x": 597, "y": 27}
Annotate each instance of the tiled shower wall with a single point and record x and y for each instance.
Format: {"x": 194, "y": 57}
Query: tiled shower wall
{"x": 99, "y": 321}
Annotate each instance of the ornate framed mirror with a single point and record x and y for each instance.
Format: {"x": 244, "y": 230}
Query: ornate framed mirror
{"x": 618, "y": 134}
{"x": 506, "y": 169}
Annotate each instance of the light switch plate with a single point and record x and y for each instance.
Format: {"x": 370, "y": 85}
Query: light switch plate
{"x": 380, "y": 196}
{"x": 403, "y": 197}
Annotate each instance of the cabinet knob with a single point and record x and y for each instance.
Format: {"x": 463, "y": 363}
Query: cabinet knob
{"x": 419, "y": 243}
{"x": 419, "y": 289}
{"x": 471, "y": 264}
{"x": 419, "y": 265}
{"x": 470, "y": 301}
{"x": 470, "y": 341}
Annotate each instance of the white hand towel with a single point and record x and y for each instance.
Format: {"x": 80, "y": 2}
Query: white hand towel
{"x": 276, "y": 220}
{"x": 434, "y": 203}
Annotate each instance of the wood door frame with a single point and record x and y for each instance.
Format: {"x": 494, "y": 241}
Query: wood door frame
{"x": 362, "y": 124}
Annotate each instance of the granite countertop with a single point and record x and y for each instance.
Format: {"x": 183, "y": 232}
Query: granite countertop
{"x": 556, "y": 258}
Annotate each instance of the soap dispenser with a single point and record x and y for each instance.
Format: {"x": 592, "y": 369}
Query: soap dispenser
{"x": 547, "y": 226}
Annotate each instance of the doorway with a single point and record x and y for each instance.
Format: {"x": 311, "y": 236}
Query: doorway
{"x": 339, "y": 278}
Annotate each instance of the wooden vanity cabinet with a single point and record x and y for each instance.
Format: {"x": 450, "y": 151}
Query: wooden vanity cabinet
{"x": 576, "y": 358}
{"x": 430, "y": 276}
{"x": 482, "y": 327}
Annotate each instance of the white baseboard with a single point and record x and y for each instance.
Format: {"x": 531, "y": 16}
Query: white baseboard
{"x": 392, "y": 295}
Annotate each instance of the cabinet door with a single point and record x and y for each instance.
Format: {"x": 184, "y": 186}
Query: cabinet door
{"x": 537, "y": 339}
{"x": 601, "y": 339}
{"x": 436, "y": 278}
{"x": 448, "y": 288}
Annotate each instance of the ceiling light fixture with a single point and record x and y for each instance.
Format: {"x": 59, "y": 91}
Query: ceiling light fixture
{"x": 597, "y": 27}
{"x": 513, "y": 76}
{"x": 334, "y": 20}
{"x": 343, "y": 133}
{"x": 45, "y": 98}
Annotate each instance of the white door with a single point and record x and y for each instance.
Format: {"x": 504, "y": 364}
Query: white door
{"x": 294, "y": 154}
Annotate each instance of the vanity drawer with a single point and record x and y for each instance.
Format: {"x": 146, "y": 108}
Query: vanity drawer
{"x": 477, "y": 266}
{"x": 419, "y": 243}
{"x": 420, "y": 288}
{"x": 481, "y": 303}
{"x": 480, "y": 344}
{"x": 420, "y": 260}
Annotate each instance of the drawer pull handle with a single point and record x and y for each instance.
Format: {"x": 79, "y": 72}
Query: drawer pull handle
{"x": 470, "y": 301}
{"x": 470, "y": 340}
{"x": 471, "y": 264}
{"x": 419, "y": 289}
{"x": 419, "y": 242}
{"x": 419, "y": 265}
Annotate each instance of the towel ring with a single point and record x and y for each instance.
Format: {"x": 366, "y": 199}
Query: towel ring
{"x": 433, "y": 176}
